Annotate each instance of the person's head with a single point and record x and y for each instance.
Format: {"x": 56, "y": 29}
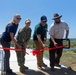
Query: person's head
{"x": 27, "y": 22}
{"x": 43, "y": 20}
{"x": 56, "y": 18}
{"x": 16, "y": 19}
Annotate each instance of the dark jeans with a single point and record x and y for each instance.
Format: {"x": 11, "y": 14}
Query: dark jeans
{"x": 7, "y": 54}
{"x": 55, "y": 55}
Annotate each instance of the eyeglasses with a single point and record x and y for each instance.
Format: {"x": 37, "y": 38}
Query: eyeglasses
{"x": 18, "y": 18}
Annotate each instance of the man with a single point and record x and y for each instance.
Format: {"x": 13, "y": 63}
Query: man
{"x": 56, "y": 32}
{"x": 39, "y": 38}
{"x": 23, "y": 36}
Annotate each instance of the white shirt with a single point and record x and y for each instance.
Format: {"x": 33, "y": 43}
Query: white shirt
{"x": 57, "y": 30}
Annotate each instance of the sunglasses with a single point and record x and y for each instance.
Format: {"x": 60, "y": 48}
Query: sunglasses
{"x": 44, "y": 21}
{"x": 18, "y": 18}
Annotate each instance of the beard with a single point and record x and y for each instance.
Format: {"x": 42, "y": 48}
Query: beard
{"x": 57, "y": 22}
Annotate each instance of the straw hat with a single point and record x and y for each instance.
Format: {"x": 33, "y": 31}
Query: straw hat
{"x": 56, "y": 15}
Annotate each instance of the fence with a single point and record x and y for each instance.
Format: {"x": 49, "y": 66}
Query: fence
{"x": 2, "y": 62}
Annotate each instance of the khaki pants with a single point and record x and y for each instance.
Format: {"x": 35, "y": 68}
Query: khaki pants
{"x": 39, "y": 57}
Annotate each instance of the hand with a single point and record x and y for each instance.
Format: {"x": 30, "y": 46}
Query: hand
{"x": 44, "y": 39}
{"x": 66, "y": 38}
{"x": 55, "y": 44}
{"x": 19, "y": 46}
{"x": 26, "y": 46}
{"x": 44, "y": 45}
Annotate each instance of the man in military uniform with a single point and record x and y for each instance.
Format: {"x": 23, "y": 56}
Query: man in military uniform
{"x": 39, "y": 38}
{"x": 23, "y": 37}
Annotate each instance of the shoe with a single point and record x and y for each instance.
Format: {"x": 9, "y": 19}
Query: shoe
{"x": 23, "y": 68}
{"x": 10, "y": 72}
{"x": 58, "y": 65}
{"x": 43, "y": 65}
{"x": 39, "y": 67}
{"x": 52, "y": 69}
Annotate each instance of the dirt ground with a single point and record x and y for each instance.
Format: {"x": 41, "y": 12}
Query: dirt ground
{"x": 68, "y": 59}
{"x": 58, "y": 71}
{"x": 62, "y": 71}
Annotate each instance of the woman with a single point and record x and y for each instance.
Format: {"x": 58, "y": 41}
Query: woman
{"x": 23, "y": 37}
{"x": 7, "y": 37}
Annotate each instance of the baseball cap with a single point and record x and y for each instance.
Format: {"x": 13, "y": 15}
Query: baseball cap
{"x": 43, "y": 18}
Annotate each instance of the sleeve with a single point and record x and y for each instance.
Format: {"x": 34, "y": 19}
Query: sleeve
{"x": 11, "y": 29}
{"x": 66, "y": 26}
{"x": 25, "y": 37}
{"x": 29, "y": 34}
{"x": 51, "y": 30}
{"x": 19, "y": 37}
{"x": 46, "y": 30}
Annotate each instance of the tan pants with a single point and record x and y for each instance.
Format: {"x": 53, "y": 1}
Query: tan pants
{"x": 39, "y": 57}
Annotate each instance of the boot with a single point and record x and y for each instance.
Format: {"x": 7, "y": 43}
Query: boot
{"x": 52, "y": 69}
{"x": 58, "y": 65}
{"x": 9, "y": 72}
{"x": 23, "y": 68}
{"x": 39, "y": 66}
{"x": 43, "y": 65}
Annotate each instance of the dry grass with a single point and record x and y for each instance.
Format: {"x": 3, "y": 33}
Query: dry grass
{"x": 69, "y": 59}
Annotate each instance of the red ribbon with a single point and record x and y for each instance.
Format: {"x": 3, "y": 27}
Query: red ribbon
{"x": 19, "y": 50}
{"x": 37, "y": 52}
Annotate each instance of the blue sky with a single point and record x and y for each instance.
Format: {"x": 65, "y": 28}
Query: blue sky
{"x": 34, "y": 9}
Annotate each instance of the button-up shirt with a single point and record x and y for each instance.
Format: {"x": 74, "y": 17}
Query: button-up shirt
{"x": 57, "y": 30}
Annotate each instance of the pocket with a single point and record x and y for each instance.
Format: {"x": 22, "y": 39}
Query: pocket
{"x": 56, "y": 31}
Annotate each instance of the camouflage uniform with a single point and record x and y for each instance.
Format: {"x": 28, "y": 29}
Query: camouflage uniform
{"x": 22, "y": 38}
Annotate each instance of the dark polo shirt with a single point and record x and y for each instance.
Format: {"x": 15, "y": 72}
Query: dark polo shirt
{"x": 41, "y": 30}
{"x": 10, "y": 28}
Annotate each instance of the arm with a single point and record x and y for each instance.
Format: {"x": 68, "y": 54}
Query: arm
{"x": 39, "y": 39}
{"x": 28, "y": 37}
{"x": 55, "y": 44}
{"x": 46, "y": 30}
{"x": 67, "y": 33}
{"x": 45, "y": 37}
{"x": 51, "y": 33}
{"x": 67, "y": 30}
{"x": 12, "y": 37}
{"x": 30, "y": 31}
